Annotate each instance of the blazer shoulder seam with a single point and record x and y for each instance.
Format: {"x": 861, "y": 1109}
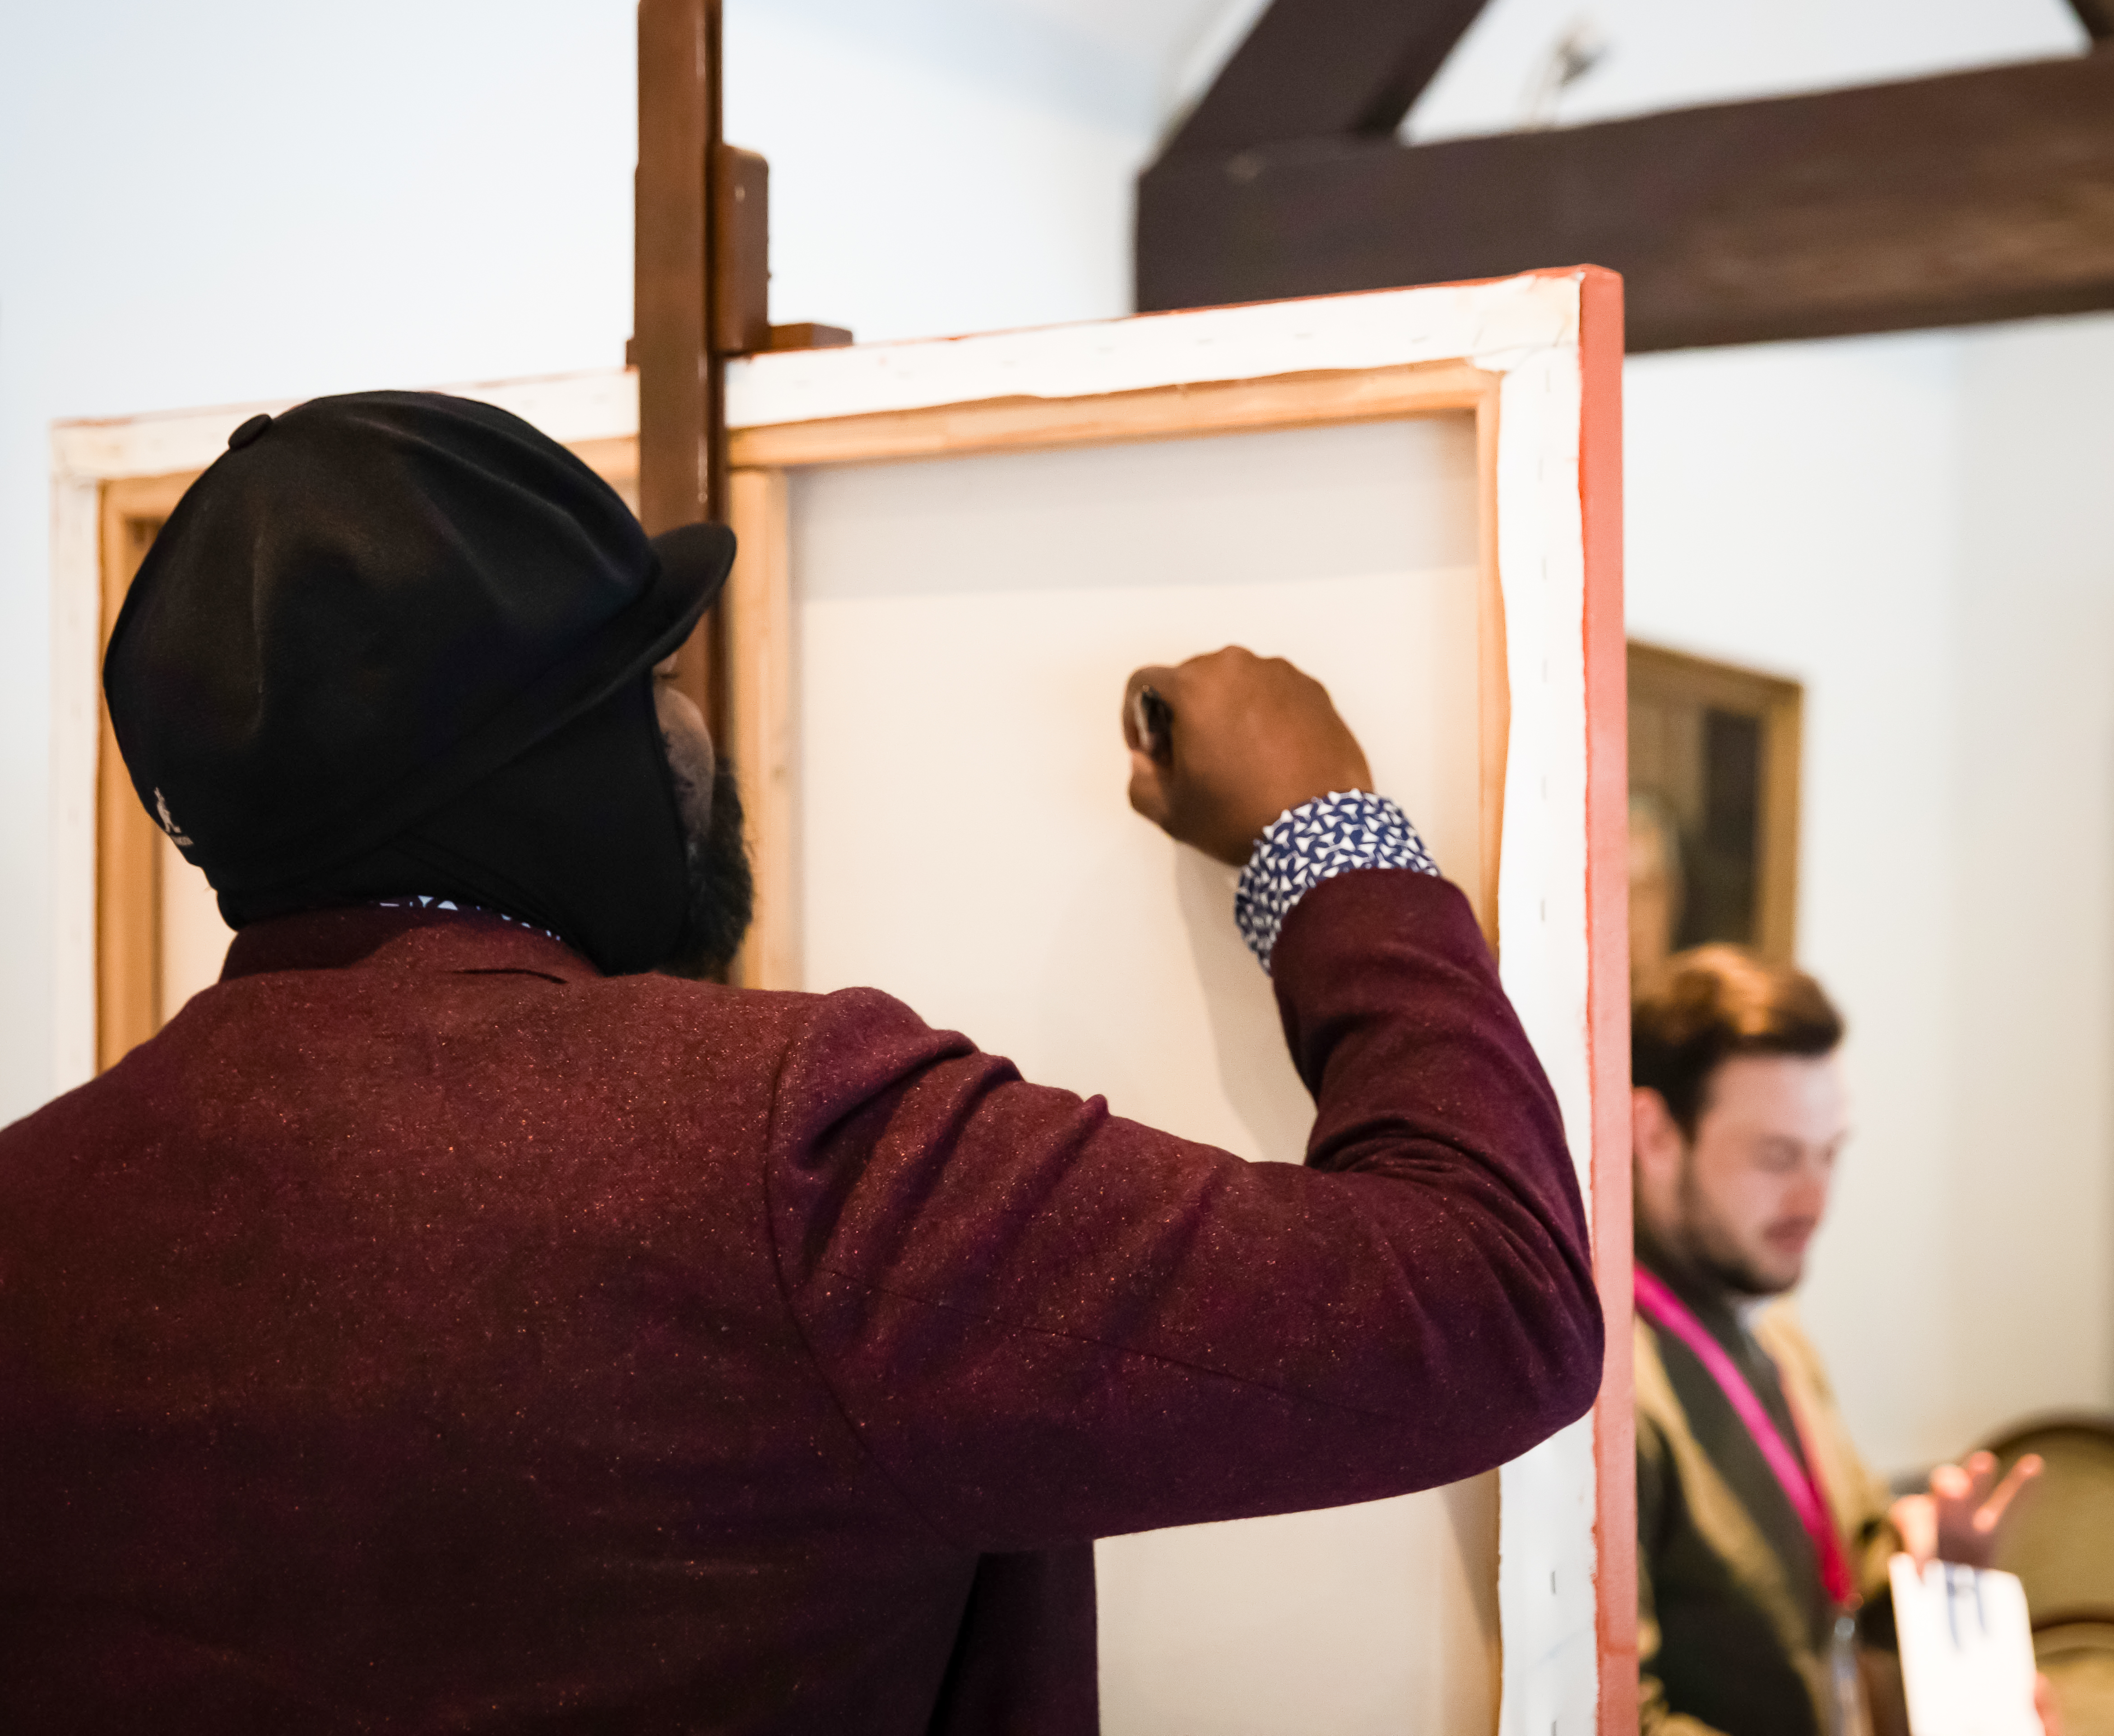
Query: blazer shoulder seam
{"x": 859, "y": 1441}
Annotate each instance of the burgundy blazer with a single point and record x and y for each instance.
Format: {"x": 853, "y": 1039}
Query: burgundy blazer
{"x": 425, "y": 1333}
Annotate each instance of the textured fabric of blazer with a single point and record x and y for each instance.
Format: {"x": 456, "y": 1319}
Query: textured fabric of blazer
{"x": 426, "y": 1333}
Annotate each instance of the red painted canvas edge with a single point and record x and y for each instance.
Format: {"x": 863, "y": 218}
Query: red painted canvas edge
{"x": 1608, "y": 1003}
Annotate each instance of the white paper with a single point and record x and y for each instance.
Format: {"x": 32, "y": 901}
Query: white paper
{"x": 1967, "y": 1650}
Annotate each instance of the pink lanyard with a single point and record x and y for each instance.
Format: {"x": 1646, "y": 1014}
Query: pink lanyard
{"x": 1803, "y": 1486}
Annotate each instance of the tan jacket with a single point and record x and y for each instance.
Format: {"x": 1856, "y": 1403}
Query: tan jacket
{"x": 1722, "y": 1565}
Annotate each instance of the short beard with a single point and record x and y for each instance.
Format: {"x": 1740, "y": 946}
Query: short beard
{"x": 722, "y": 891}
{"x": 1738, "y": 1277}
{"x": 1733, "y": 1273}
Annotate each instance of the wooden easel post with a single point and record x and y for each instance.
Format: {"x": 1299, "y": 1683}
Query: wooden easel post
{"x": 701, "y": 292}
{"x": 682, "y": 408}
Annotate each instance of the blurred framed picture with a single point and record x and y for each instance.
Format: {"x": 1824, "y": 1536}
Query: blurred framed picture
{"x": 1713, "y": 807}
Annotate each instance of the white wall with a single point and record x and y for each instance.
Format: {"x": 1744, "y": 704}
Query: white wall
{"x": 1915, "y": 527}
{"x": 2032, "y": 1230}
{"x": 1791, "y": 507}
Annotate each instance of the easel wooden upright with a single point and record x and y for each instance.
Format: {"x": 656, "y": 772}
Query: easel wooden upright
{"x": 701, "y": 293}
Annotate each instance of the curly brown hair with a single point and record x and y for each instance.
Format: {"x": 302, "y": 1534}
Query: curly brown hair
{"x": 1712, "y": 1003}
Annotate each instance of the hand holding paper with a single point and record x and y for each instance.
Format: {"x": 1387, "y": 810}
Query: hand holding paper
{"x": 1967, "y": 1652}
{"x": 1960, "y": 1518}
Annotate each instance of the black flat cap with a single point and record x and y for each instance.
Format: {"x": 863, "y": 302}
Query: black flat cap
{"x": 368, "y": 605}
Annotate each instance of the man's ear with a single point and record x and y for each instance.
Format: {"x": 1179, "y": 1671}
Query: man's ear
{"x": 1657, "y": 1144}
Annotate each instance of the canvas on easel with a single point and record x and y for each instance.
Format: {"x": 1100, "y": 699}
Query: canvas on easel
{"x": 951, "y": 554}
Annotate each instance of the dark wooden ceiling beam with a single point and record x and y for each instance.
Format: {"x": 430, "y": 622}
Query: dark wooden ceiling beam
{"x": 1312, "y": 69}
{"x": 1944, "y": 201}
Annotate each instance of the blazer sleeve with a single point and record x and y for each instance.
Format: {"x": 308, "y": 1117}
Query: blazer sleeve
{"x": 1048, "y": 1324}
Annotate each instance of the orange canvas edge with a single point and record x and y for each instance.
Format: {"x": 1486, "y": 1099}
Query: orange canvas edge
{"x": 1607, "y": 1000}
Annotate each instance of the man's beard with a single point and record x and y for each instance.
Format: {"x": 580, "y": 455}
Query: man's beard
{"x": 1707, "y": 1252}
{"x": 1739, "y": 1274}
{"x": 722, "y": 891}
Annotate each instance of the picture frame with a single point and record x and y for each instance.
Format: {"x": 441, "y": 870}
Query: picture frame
{"x": 1714, "y": 753}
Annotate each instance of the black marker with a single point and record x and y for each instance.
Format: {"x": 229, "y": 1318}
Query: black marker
{"x": 1153, "y": 719}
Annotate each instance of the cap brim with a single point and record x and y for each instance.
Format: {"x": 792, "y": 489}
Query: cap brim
{"x": 695, "y": 560}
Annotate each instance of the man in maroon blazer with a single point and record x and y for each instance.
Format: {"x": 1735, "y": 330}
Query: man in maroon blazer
{"x": 468, "y": 1317}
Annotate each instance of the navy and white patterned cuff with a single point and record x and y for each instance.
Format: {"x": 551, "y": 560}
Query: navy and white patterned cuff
{"x": 1316, "y": 841}
{"x": 430, "y": 901}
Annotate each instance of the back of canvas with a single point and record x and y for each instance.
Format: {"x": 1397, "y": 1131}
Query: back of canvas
{"x": 964, "y": 629}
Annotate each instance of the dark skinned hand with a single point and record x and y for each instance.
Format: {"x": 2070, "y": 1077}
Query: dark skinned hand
{"x": 1249, "y": 737}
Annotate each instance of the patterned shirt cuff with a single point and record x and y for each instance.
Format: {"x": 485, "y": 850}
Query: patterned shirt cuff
{"x": 1316, "y": 841}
